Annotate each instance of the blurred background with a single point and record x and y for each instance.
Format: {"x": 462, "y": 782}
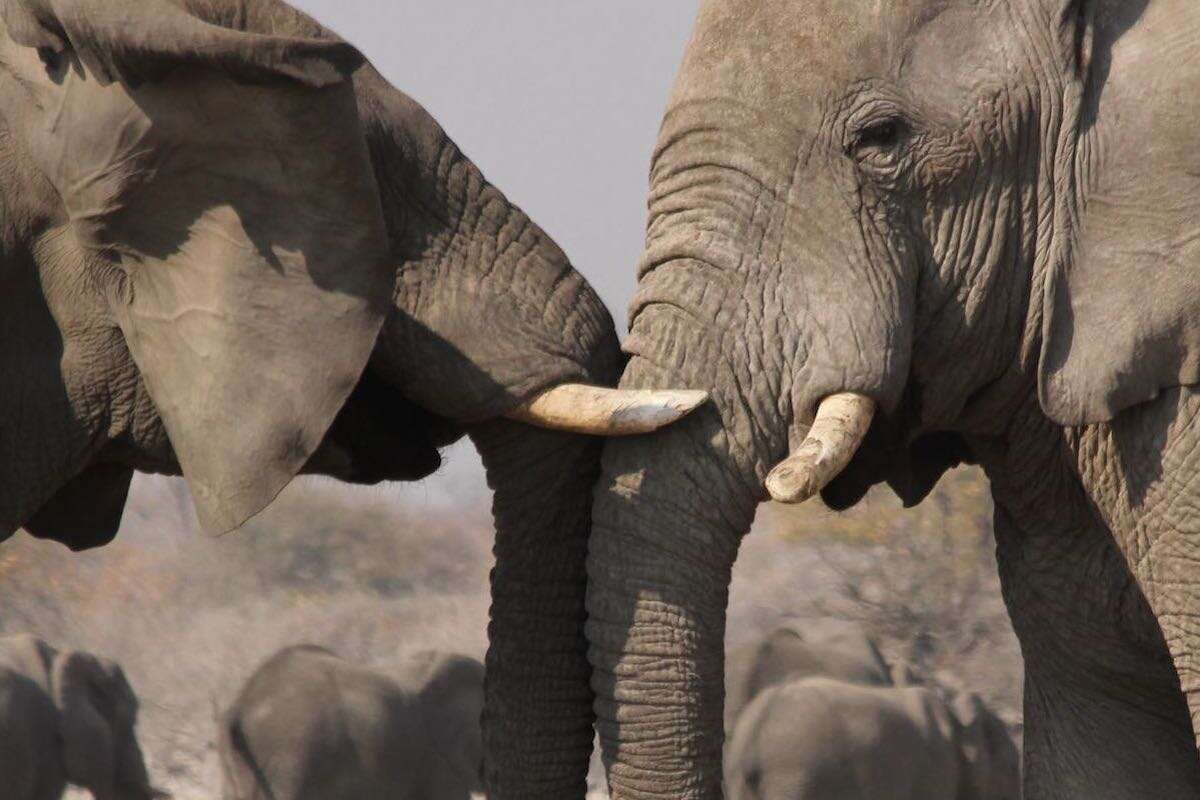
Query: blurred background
{"x": 559, "y": 103}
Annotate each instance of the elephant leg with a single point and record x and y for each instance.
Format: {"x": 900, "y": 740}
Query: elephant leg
{"x": 1169, "y": 574}
{"x": 1154, "y": 450}
{"x": 1104, "y": 718}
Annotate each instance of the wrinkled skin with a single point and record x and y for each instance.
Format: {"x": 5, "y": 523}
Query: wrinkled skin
{"x": 820, "y": 738}
{"x": 984, "y": 216}
{"x": 802, "y": 649}
{"x": 67, "y": 717}
{"x": 230, "y": 249}
{"x": 310, "y": 726}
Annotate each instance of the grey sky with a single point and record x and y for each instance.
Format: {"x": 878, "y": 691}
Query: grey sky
{"x": 558, "y": 101}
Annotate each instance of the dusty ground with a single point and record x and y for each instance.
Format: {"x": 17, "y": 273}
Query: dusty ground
{"x": 375, "y": 573}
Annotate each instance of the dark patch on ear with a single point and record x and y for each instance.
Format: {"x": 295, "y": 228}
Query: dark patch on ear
{"x": 86, "y": 513}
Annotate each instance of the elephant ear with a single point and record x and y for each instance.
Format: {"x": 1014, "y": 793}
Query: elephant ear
{"x": 218, "y": 185}
{"x": 453, "y": 696}
{"x": 1121, "y": 319}
{"x": 80, "y": 688}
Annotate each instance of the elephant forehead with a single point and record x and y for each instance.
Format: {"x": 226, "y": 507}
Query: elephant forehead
{"x": 792, "y": 55}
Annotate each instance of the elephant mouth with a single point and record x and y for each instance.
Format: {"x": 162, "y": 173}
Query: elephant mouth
{"x": 380, "y": 435}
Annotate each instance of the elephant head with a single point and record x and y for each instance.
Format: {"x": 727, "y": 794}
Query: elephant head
{"x": 991, "y": 763}
{"x": 452, "y": 697}
{"x": 97, "y": 718}
{"x": 868, "y": 240}
{"x": 827, "y": 648}
{"x": 232, "y": 251}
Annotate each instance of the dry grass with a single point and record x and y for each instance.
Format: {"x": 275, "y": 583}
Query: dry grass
{"x": 372, "y": 574}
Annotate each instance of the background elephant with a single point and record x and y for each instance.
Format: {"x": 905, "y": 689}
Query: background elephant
{"x": 820, "y": 738}
{"x": 993, "y": 761}
{"x": 232, "y": 251}
{"x": 810, "y": 648}
{"x": 310, "y": 726}
{"x": 890, "y": 238}
{"x": 67, "y": 717}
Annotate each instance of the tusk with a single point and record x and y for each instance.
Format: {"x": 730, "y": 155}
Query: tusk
{"x": 836, "y": 434}
{"x": 576, "y": 408}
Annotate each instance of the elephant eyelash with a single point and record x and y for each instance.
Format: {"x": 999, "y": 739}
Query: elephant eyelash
{"x": 882, "y": 135}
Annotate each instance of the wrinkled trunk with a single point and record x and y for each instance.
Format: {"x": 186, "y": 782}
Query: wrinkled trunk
{"x": 538, "y": 711}
{"x": 489, "y": 312}
{"x": 670, "y": 511}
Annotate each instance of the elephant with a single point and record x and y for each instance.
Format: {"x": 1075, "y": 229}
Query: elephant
{"x": 311, "y": 726}
{"x": 989, "y": 750}
{"x": 820, "y": 738}
{"x": 67, "y": 717}
{"x": 232, "y": 251}
{"x": 831, "y": 649}
{"x": 892, "y": 238}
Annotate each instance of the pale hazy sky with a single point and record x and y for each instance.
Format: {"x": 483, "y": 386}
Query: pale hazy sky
{"x": 558, "y": 101}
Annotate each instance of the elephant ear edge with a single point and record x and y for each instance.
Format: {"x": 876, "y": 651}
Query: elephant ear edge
{"x": 1121, "y": 303}
{"x": 224, "y": 197}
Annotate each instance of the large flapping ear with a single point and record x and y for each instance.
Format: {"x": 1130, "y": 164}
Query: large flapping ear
{"x": 1121, "y": 319}
{"x": 219, "y": 184}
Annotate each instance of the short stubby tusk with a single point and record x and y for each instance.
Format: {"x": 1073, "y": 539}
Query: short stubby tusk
{"x": 838, "y": 431}
{"x": 595, "y": 410}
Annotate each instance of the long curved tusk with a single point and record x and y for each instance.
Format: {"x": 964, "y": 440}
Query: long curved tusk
{"x": 836, "y": 434}
{"x": 595, "y": 410}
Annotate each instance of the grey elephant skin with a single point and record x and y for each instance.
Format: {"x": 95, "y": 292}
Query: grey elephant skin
{"x": 230, "y": 249}
{"x": 983, "y": 218}
{"x": 311, "y": 726}
{"x": 801, "y": 649}
{"x": 67, "y": 717}
{"x": 822, "y": 738}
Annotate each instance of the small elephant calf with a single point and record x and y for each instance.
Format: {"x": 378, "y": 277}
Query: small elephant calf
{"x": 311, "y": 726}
{"x": 67, "y": 717}
{"x": 819, "y": 738}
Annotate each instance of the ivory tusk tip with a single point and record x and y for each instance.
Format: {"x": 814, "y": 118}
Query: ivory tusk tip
{"x": 792, "y": 483}
{"x": 838, "y": 430}
{"x": 652, "y": 410}
{"x": 600, "y": 411}
{"x": 685, "y": 401}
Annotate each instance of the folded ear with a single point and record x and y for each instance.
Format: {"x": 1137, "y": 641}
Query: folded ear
{"x": 1121, "y": 319}
{"x": 227, "y": 208}
{"x": 140, "y": 40}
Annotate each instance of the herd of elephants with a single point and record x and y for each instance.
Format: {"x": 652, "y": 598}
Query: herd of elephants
{"x": 813, "y": 712}
{"x": 884, "y": 239}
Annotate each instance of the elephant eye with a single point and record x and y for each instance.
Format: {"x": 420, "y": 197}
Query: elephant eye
{"x": 878, "y": 137}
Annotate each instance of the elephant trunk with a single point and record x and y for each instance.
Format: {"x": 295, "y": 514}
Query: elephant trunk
{"x": 489, "y": 316}
{"x": 757, "y": 284}
{"x": 538, "y": 707}
{"x": 669, "y": 514}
